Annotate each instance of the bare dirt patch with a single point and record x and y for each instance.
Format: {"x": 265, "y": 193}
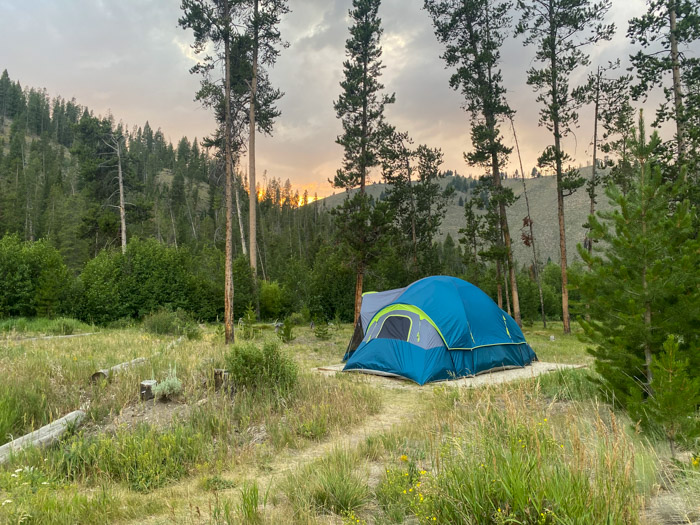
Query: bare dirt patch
{"x": 489, "y": 378}
{"x": 157, "y": 413}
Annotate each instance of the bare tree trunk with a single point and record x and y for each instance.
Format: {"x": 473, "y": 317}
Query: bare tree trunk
{"x": 499, "y": 286}
{"x": 172, "y": 223}
{"x": 122, "y": 207}
{"x": 495, "y": 173}
{"x": 645, "y": 285}
{"x": 594, "y": 182}
{"x": 244, "y": 248}
{"x": 505, "y": 286}
{"x": 677, "y": 93}
{"x": 115, "y": 143}
{"x": 530, "y": 224}
{"x": 229, "y": 337}
{"x": 358, "y": 291}
{"x": 560, "y": 202}
{"x": 413, "y": 216}
{"x": 251, "y": 150}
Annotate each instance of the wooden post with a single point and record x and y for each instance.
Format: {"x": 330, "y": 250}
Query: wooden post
{"x": 146, "y": 389}
{"x": 220, "y": 378}
{"x": 45, "y": 436}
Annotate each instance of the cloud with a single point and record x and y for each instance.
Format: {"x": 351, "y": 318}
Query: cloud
{"x": 131, "y": 57}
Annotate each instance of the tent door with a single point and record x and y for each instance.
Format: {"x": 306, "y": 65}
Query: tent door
{"x": 396, "y": 327}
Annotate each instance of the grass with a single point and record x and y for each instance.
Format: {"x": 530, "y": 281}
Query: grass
{"x": 563, "y": 349}
{"x": 299, "y": 454}
{"x": 334, "y": 484}
{"x": 16, "y": 326}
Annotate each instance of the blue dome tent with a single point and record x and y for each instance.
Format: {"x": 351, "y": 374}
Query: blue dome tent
{"x": 435, "y": 329}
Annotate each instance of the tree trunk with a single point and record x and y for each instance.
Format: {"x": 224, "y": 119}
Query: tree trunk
{"x": 530, "y": 224}
{"x": 44, "y": 437}
{"x": 645, "y": 285}
{"x": 499, "y": 286}
{"x": 228, "y": 155}
{"x": 591, "y": 193}
{"x": 677, "y": 93}
{"x": 560, "y": 194}
{"x": 251, "y": 151}
{"x": 413, "y": 216}
{"x": 505, "y": 286}
{"x": 244, "y": 248}
{"x": 496, "y": 174}
{"x": 358, "y": 291}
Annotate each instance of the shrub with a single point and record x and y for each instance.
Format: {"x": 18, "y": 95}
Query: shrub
{"x": 167, "y": 322}
{"x": 35, "y": 281}
{"x": 169, "y": 387}
{"x": 321, "y": 330}
{"x": 297, "y": 319}
{"x": 270, "y": 300}
{"x": 286, "y": 331}
{"x": 247, "y": 323}
{"x": 253, "y": 368}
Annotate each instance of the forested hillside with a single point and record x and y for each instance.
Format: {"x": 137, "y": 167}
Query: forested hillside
{"x": 542, "y": 193}
{"x": 59, "y": 184}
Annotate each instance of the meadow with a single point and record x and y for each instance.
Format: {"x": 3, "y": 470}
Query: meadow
{"x": 280, "y": 443}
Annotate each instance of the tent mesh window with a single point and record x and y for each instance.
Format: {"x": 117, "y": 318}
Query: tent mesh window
{"x": 395, "y": 327}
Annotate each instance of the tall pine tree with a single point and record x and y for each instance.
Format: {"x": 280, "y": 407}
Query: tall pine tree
{"x": 560, "y": 30}
{"x": 473, "y": 32}
{"x": 361, "y": 110}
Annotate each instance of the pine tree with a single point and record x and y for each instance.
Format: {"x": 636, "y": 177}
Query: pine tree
{"x": 560, "y": 30}
{"x": 361, "y": 110}
{"x": 662, "y": 32}
{"x": 212, "y": 22}
{"x": 418, "y": 202}
{"x": 643, "y": 281}
{"x": 262, "y": 27}
{"x": 473, "y": 32}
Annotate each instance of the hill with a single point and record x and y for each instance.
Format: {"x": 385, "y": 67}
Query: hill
{"x": 543, "y": 208}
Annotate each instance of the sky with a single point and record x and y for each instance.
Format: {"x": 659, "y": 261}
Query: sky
{"x": 130, "y": 58}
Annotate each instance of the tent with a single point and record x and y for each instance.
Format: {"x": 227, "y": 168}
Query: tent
{"x": 435, "y": 329}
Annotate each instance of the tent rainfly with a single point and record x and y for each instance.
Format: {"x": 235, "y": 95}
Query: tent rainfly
{"x": 435, "y": 329}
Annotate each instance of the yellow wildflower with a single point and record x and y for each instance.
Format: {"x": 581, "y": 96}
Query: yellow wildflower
{"x": 404, "y": 457}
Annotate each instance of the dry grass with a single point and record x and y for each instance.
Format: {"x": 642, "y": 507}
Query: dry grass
{"x": 333, "y": 448}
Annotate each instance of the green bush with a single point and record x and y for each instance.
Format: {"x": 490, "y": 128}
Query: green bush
{"x": 270, "y": 300}
{"x": 255, "y": 369}
{"x": 286, "y": 331}
{"x": 297, "y": 319}
{"x": 167, "y": 322}
{"x": 169, "y": 387}
{"x": 150, "y": 276}
{"x": 35, "y": 281}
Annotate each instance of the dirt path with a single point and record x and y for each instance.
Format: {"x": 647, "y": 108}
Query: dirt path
{"x": 398, "y": 407}
{"x": 401, "y": 400}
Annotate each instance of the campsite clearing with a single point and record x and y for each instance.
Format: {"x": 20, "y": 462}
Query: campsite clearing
{"x": 338, "y": 446}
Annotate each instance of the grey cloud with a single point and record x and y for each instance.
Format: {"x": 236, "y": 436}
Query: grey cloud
{"x": 130, "y": 57}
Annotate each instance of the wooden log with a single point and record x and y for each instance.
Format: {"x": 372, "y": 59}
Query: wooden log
{"x": 146, "y": 389}
{"x": 43, "y": 437}
{"x": 106, "y": 373}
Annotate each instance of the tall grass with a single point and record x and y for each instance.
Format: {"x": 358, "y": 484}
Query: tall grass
{"x": 332, "y": 484}
{"x": 43, "y": 326}
{"x": 501, "y": 457}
